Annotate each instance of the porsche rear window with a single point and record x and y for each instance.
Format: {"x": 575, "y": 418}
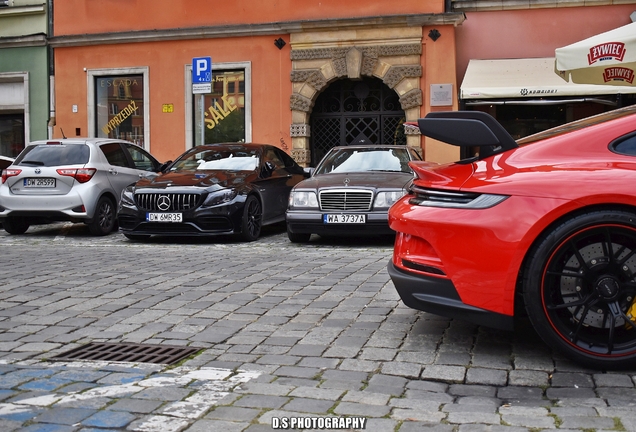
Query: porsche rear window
{"x": 54, "y": 155}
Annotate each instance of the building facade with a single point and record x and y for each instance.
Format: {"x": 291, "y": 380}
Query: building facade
{"x": 302, "y": 78}
{"x": 24, "y": 74}
{"x": 505, "y": 60}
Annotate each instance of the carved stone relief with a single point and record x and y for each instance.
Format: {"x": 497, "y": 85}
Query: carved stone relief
{"x": 395, "y": 74}
{"x": 299, "y": 130}
{"x": 300, "y": 103}
{"x": 353, "y": 62}
{"x": 301, "y": 156}
{"x": 411, "y": 99}
{"x": 313, "y": 77}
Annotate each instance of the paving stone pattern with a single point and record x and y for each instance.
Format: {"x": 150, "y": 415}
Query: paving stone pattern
{"x": 286, "y": 330}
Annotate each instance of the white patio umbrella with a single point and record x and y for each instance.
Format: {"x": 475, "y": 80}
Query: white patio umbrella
{"x": 608, "y": 58}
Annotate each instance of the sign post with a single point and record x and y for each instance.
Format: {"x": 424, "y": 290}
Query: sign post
{"x": 201, "y": 75}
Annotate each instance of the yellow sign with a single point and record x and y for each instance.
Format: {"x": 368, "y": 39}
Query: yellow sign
{"x": 120, "y": 117}
{"x": 218, "y": 112}
{"x": 168, "y": 108}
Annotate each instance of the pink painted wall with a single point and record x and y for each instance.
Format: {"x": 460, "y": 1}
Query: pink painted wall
{"x": 532, "y": 33}
{"x": 97, "y": 16}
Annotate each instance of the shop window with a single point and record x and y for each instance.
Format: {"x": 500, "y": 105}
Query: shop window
{"x": 223, "y": 111}
{"x": 119, "y": 107}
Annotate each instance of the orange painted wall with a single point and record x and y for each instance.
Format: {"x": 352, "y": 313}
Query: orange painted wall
{"x": 166, "y": 61}
{"x": 97, "y": 16}
{"x": 440, "y": 65}
{"x": 530, "y": 33}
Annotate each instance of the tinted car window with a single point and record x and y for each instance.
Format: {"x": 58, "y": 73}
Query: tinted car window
{"x": 290, "y": 164}
{"x": 54, "y": 155}
{"x": 140, "y": 158}
{"x": 362, "y": 160}
{"x": 115, "y": 154}
{"x": 626, "y": 146}
{"x": 272, "y": 156}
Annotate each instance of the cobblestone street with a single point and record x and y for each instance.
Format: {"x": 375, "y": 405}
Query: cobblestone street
{"x": 287, "y": 331}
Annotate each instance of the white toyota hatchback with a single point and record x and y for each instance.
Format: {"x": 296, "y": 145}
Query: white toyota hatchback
{"x": 76, "y": 179}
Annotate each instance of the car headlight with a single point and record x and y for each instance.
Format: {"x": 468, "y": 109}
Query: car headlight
{"x": 386, "y": 199}
{"x": 219, "y": 197}
{"x": 127, "y": 196}
{"x": 303, "y": 199}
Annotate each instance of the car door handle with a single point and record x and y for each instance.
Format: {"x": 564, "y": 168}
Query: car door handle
{"x": 113, "y": 171}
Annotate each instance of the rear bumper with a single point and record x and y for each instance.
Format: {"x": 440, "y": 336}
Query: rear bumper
{"x": 439, "y": 296}
{"x": 51, "y": 207}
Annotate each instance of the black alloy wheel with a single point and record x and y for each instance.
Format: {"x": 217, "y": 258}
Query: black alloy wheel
{"x": 252, "y": 220}
{"x": 15, "y": 225}
{"x": 103, "y": 221}
{"x": 580, "y": 289}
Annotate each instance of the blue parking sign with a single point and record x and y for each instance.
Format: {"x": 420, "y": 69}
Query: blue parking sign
{"x": 202, "y": 70}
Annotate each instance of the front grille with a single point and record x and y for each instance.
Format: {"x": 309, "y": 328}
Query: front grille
{"x": 167, "y": 228}
{"x": 346, "y": 200}
{"x": 126, "y": 221}
{"x": 214, "y": 223}
{"x": 167, "y": 202}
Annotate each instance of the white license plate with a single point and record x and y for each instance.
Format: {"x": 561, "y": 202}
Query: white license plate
{"x": 39, "y": 182}
{"x": 344, "y": 218}
{"x": 164, "y": 217}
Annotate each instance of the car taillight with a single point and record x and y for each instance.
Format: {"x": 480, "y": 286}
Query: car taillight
{"x": 82, "y": 175}
{"x": 9, "y": 173}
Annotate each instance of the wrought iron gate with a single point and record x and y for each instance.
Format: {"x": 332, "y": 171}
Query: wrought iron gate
{"x": 355, "y": 112}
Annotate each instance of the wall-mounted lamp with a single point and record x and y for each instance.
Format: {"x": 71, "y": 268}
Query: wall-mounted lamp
{"x": 280, "y": 43}
{"x": 434, "y": 34}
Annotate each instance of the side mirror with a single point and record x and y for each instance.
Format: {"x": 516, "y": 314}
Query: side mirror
{"x": 308, "y": 172}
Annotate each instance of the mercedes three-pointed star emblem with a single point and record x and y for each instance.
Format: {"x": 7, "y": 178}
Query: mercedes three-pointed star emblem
{"x": 163, "y": 202}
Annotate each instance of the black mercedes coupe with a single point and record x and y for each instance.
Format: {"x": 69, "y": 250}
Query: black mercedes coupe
{"x": 212, "y": 190}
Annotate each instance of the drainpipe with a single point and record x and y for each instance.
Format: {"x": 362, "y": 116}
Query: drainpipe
{"x": 51, "y": 68}
{"x": 448, "y": 6}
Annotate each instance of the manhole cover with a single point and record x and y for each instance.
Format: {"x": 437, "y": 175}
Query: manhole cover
{"x": 128, "y": 352}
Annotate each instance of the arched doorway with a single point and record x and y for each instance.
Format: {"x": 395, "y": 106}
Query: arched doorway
{"x": 350, "y": 112}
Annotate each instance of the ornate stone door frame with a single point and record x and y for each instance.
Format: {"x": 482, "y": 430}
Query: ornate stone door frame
{"x": 394, "y": 55}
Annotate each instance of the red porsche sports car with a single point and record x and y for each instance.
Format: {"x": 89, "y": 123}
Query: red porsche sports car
{"x": 544, "y": 225}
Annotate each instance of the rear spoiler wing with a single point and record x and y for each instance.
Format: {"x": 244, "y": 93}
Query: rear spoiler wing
{"x": 467, "y": 129}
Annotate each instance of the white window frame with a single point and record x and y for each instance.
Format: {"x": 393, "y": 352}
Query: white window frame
{"x": 189, "y": 111}
{"x": 91, "y": 74}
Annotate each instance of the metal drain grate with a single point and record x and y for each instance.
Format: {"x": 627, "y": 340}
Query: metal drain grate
{"x": 128, "y": 352}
